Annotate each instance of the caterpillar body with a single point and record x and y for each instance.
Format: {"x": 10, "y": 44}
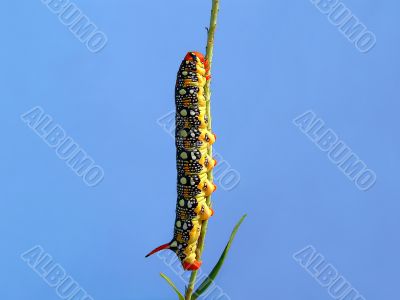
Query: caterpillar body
{"x": 192, "y": 140}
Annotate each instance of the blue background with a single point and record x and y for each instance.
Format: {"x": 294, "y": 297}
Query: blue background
{"x": 273, "y": 61}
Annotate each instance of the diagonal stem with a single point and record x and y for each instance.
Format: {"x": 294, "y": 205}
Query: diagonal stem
{"x": 207, "y": 92}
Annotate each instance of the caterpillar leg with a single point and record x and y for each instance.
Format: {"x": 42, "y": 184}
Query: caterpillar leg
{"x": 207, "y": 187}
{"x": 189, "y": 262}
{"x": 204, "y": 211}
{"x": 195, "y": 265}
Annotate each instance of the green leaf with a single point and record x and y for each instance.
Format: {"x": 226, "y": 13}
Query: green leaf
{"x": 173, "y": 286}
{"x": 209, "y": 280}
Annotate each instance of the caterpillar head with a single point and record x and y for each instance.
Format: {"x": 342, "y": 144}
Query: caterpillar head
{"x": 202, "y": 64}
{"x": 192, "y": 55}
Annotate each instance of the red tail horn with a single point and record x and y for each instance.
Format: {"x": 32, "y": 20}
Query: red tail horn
{"x": 162, "y": 247}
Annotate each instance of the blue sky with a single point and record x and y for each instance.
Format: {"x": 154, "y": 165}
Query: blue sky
{"x": 273, "y": 61}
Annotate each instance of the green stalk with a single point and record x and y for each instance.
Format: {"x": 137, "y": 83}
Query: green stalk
{"x": 207, "y": 92}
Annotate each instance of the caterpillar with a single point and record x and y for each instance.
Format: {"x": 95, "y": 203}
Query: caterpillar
{"x": 192, "y": 140}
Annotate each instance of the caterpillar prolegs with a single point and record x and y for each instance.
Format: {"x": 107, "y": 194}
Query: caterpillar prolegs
{"x": 192, "y": 139}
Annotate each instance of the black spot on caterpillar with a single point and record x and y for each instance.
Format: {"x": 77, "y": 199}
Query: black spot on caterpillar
{"x": 192, "y": 140}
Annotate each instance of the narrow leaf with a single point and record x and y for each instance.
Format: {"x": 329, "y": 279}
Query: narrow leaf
{"x": 209, "y": 280}
{"x": 173, "y": 286}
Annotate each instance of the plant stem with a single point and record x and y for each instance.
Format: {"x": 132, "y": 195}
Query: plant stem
{"x": 207, "y": 94}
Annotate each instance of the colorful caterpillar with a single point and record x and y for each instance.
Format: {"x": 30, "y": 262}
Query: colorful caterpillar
{"x": 192, "y": 140}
